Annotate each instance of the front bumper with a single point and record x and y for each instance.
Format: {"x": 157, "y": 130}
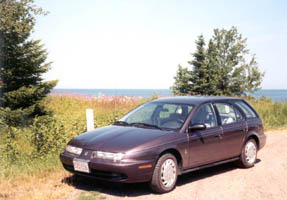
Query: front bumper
{"x": 126, "y": 172}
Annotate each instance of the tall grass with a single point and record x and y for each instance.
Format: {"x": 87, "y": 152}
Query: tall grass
{"x": 33, "y": 149}
{"x": 273, "y": 114}
{"x": 71, "y": 110}
{"x": 36, "y": 148}
{"x": 29, "y": 157}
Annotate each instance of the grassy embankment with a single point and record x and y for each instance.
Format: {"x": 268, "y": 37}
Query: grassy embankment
{"x": 29, "y": 173}
{"x": 42, "y": 177}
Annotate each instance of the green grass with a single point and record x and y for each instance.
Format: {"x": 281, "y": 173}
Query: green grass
{"x": 19, "y": 155}
{"x": 273, "y": 114}
{"x": 36, "y": 148}
{"x": 34, "y": 151}
{"x": 91, "y": 196}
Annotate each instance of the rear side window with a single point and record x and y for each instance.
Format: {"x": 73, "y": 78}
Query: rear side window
{"x": 246, "y": 109}
{"x": 226, "y": 112}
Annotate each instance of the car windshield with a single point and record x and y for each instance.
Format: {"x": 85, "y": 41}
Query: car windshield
{"x": 158, "y": 115}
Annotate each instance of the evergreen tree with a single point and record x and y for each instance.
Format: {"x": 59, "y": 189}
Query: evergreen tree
{"x": 213, "y": 69}
{"x": 221, "y": 68}
{"x": 181, "y": 85}
{"x": 23, "y": 62}
{"x": 199, "y": 73}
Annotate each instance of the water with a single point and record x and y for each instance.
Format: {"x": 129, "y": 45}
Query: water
{"x": 146, "y": 93}
{"x": 275, "y": 95}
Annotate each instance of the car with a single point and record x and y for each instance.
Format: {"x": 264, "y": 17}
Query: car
{"x": 167, "y": 137}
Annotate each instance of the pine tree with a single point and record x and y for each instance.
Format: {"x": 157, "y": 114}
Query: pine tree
{"x": 222, "y": 68}
{"x": 23, "y": 62}
{"x": 199, "y": 72}
{"x": 181, "y": 85}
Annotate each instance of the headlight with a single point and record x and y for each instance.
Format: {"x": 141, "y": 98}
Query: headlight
{"x": 74, "y": 150}
{"x": 107, "y": 156}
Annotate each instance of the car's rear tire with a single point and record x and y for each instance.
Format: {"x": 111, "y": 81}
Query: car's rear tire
{"x": 248, "y": 154}
{"x": 165, "y": 174}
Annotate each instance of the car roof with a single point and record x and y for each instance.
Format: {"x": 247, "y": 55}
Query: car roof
{"x": 194, "y": 100}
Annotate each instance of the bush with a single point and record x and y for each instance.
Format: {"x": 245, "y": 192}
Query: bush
{"x": 23, "y": 146}
{"x": 36, "y": 147}
{"x": 273, "y": 114}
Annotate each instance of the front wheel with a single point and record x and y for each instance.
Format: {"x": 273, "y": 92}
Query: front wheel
{"x": 165, "y": 174}
{"x": 248, "y": 154}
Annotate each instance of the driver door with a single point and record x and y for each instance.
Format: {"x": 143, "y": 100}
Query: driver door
{"x": 204, "y": 144}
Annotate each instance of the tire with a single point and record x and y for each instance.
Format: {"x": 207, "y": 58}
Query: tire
{"x": 248, "y": 154}
{"x": 165, "y": 174}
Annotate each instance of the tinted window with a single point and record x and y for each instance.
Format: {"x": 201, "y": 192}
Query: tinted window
{"x": 204, "y": 115}
{"x": 226, "y": 112}
{"x": 246, "y": 109}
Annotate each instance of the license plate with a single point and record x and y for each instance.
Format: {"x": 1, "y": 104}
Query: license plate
{"x": 81, "y": 165}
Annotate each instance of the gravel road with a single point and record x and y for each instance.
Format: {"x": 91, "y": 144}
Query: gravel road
{"x": 266, "y": 181}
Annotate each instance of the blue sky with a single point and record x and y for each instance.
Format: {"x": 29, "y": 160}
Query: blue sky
{"x": 139, "y": 44}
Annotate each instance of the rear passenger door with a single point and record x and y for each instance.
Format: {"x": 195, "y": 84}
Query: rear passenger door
{"x": 204, "y": 144}
{"x": 234, "y": 128}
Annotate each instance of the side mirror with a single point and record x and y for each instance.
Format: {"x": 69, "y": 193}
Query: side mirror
{"x": 196, "y": 127}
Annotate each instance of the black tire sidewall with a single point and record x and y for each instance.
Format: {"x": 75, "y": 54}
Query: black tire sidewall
{"x": 157, "y": 184}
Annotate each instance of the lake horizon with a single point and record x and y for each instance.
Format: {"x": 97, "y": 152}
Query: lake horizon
{"x": 278, "y": 95}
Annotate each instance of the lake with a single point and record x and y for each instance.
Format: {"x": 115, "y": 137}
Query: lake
{"x": 274, "y": 94}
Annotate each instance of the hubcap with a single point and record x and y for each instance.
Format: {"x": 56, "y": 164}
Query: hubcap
{"x": 250, "y": 152}
{"x": 168, "y": 173}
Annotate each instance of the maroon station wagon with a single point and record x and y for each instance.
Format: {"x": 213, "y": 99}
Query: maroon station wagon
{"x": 167, "y": 137}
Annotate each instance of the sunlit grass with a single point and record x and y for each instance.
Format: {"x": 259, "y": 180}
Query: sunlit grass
{"x": 273, "y": 114}
{"x": 39, "y": 178}
{"x": 71, "y": 110}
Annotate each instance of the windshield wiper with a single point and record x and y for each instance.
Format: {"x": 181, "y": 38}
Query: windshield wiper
{"x": 139, "y": 124}
{"x": 121, "y": 123}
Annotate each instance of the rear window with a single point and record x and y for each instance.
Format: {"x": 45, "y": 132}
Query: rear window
{"x": 246, "y": 109}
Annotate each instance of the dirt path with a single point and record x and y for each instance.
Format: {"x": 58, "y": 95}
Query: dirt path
{"x": 266, "y": 181}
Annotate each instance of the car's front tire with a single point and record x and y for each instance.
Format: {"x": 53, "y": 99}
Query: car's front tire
{"x": 248, "y": 154}
{"x": 165, "y": 174}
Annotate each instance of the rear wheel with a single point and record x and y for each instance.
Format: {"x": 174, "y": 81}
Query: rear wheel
{"x": 248, "y": 154}
{"x": 165, "y": 174}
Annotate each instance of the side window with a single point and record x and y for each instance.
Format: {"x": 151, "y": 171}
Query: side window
{"x": 204, "y": 115}
{"x": 246, "y": 109}
{"x": 239, "y": 116}
{"x": 226, "y": 112}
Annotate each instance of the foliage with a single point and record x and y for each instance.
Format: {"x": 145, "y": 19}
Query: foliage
{"x": 37, "y": 146}
{"x": 22, "y": 64}
{"x": 221, "y": 68}
{"x": 182, "y": 79}
{"x": 273, "y": 114}
{"x": 37, "y": 141}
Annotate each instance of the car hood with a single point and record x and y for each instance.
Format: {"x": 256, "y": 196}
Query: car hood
{"x": 117, "y": 138}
